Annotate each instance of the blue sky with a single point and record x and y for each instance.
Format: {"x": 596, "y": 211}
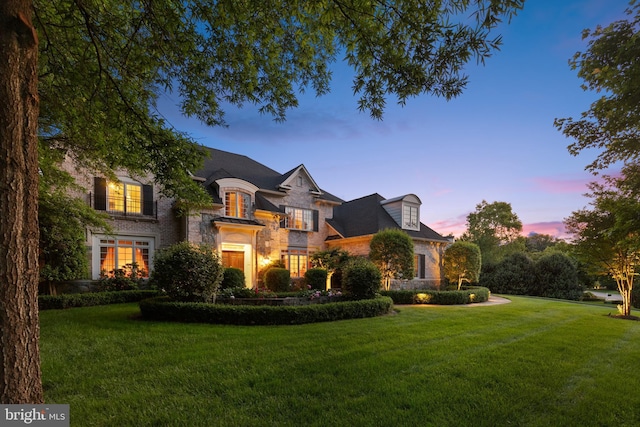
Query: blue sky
{"x": 496, "y": 142}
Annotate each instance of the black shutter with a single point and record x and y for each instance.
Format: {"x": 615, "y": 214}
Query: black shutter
{"x": 316, "y": 216}
{"x": 147, "y": 200}
{"x": 421, "y": 262}
{"x": 99, "y": 194}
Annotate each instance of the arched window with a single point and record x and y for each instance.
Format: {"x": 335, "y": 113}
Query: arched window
{"x": 237, "y": 204}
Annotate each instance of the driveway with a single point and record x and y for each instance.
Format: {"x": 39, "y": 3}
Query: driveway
{"x": 607, "y": 296}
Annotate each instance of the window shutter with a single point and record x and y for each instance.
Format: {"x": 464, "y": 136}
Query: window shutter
{"x": 421, "y": 262}
{"x": 316, "y": 215}
{"x": 99, "y": 194}
{"x": 283, "y": 223}
{"x": 147, "y": 200}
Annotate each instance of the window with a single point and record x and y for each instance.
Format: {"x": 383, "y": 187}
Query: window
{"x": 301, "y": 219}
{"x": 124, "y": 197}
{"x": 410, "y": 217}
{"x": 121, "y": 253}
{"x": 237, "y": 204}
{"x": 296, "y": 261}
{"x": 418, "y": 266}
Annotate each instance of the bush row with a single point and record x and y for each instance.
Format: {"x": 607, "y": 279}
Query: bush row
{"x": 49, "y": 302}
{"x": 552, "y": 276}
{"x": 162, "y": 308}
{"x": 464, "y": 296}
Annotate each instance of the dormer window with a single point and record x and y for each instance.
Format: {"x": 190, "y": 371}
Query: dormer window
{"x": 237, "y": 204}
{"x": 410, "y": 217}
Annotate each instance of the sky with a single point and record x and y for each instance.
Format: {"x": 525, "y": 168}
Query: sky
{"x": 495, "y": 142}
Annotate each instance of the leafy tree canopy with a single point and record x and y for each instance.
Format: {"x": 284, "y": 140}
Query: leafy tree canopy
{"x": 391, "y": 250}
{"x": 104, "y": 64}
{"x": 610, "y": 66}
{"x": 606, "y": 236}
{"x": 495, "y": 228}
{"x": 462, "y": 263}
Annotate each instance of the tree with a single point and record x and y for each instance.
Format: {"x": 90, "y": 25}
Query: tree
{"x": 540, "y": 242}
{"x": 606, "y": 236}
{"x": 85, "y": 77}
{"x": 557, "y": 277}
{"x": 391, "y": 250}
{"x": 491, "y": 226}
{"x": 462, "y": 263}
{"x": 610, "y": 66}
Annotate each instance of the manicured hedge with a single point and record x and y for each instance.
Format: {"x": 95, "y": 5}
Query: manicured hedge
{"x": 162, "y": 308}
{"x": 49, "y": 302}
{"x": 464, "y": 296}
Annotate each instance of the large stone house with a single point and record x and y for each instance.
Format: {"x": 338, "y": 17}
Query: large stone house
{"x": 256, "y": 216}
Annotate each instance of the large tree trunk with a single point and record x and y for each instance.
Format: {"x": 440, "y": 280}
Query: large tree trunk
{"x": 20, "y": 380}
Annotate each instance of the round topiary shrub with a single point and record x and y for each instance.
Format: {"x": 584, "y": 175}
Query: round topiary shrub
{"x": 232, "y": 278}
{"x": 361, "y": 279}
{"x": 187, "y": 272}
{"x": 316, "y": 278}
{"x": 277, "y": 279}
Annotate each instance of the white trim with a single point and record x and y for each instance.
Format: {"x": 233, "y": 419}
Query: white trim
{"x": 96, "y": 245}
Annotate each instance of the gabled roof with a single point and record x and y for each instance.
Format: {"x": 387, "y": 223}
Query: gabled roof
{"x": 223, "y": 164}
{"x": 366, "y": 216}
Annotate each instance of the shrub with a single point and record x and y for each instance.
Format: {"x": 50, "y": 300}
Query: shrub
{"x": 513, "y": 275}
{"x": 361, "y": 279}
{"x": 121, "y": 279}
{"x": 277, "y": 279}
{"x": 465, "y": 296}
{"x": 50, "y": 302}
{"x": 557, "y": 277}
{"x": 232, "y": 278}
{"x": 316, "y": 278}
{"x": 162, "y": 308}
{"x": 187, "y": 273}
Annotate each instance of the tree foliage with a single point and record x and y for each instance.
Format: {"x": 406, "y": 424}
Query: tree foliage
{"x": 610, "y": 66}
{"x": 606, "y": 236}
{"x": 492, "y": 226}
{"x": 462, "y": 263}
{"x": 556, "y": 276}
{"x": 391, "y": 251}
{"x": 513, "y": 275}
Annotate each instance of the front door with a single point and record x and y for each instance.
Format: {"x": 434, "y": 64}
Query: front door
{"x": 233, "y": 259}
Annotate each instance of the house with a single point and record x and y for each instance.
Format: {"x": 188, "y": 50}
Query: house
{"x": 257, "y": 216}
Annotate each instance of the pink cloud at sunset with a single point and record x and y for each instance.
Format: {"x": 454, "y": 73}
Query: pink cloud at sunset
{"x": 563, "y": 186}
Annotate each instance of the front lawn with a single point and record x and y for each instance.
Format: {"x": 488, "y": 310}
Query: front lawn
{"x": 529, "y": 363}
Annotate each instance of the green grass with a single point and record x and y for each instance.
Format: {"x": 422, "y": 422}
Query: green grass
{"x": 528, "y": 363}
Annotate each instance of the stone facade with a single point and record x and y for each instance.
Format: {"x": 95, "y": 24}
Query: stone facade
{"x": 250, "y": 222}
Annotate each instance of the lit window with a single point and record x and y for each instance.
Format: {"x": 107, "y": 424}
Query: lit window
{"x": 237, "y": 204}
{"x": 296, "y": 261}
{"x": 299, "y": 219}
{"x": 124, "y": 197}
{"x": 121, "y": 254}
{"x": 410, "y": 217}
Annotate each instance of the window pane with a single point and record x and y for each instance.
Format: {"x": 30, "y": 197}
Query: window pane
{"x": 134, "y": 198}
{"x": 107, "y": 260}
{"x": 116, "y": 196}
{"x": 125, "y": 256}
{"x": 231, "y": 204}
{"x": 142, "y": 259}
